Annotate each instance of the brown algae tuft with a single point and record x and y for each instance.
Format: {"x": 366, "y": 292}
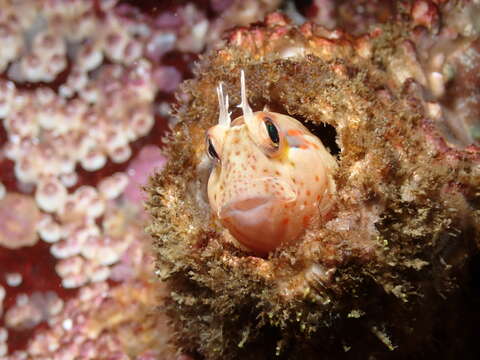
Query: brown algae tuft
{"x": 380, "y": 274}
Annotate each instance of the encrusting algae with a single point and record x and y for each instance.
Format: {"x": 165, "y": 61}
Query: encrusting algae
{"x": 382, "y": 271}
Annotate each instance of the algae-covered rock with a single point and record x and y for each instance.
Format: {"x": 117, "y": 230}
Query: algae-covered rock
{"x": 388, "y": 274}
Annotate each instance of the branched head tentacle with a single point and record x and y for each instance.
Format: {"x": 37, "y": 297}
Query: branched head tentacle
{"x": 224, "y": 116}
{"x": 246, "y": 109}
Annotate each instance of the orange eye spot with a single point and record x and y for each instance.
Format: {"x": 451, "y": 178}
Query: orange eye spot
{"x": 285, "y": 221}
{"x": 317, "y": 178}
{"x": 309, "y": 192}
{"x": 294, "y": 132}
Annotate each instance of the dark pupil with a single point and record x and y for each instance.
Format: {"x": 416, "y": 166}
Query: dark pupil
{"x": 211, "y": 150}
{"x": 272, "y": 131}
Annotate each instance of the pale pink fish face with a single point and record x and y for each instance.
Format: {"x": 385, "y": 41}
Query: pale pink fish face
{"x": 271, "y": 178}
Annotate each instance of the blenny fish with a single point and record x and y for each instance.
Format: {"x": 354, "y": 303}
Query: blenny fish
{"x": 271, "y": 176}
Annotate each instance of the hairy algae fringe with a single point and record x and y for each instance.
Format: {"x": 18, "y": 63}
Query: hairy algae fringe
{"x": 387, "y": 290}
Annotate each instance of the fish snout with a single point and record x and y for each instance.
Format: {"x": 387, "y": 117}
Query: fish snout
{"x": 246, "y": 207}
{"x": 258, "y": 197}
{"x": 257, "y": 216}
{"x": 256, "y": 222}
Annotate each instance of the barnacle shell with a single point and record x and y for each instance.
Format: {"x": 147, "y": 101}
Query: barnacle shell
{"x": 382, "y": 273}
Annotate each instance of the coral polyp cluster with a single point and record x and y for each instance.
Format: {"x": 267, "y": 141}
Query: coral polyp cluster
{"x": 92, "y": 117}
{"x": 391, "y": 264}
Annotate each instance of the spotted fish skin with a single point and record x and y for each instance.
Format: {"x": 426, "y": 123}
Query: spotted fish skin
{"x": 272, "y": 177}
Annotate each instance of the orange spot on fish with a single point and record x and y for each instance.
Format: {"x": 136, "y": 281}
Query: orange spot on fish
{"x": 294, "y": 132}
{"x": 306, "y": 220}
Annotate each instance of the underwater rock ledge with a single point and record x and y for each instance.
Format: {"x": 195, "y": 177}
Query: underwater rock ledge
{"x": 388, "y": 274}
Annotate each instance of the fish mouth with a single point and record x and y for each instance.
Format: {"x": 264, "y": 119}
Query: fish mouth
{"x": 251, "y": 206}
{"x": 255, "y": 201}
{"x": 250, "y": 203}
{"x": 256, "y": 222}
{"x": 250, "y": 218}
{"x": 254, "y": 212}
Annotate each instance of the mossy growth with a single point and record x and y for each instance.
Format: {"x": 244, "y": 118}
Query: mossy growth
{"x": 377, "y": 279}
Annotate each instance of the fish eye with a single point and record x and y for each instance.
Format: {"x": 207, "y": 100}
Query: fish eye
{"x": 211, "y": 150}
{"x": 272, "y": 131}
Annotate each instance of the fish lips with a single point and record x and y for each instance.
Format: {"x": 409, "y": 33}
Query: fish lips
{"x": 258, "y": 220}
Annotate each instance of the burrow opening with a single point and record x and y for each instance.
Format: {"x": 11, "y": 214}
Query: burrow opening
{"x": 326, "y": 133}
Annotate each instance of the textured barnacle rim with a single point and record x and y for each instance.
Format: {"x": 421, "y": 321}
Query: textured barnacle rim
{"x": 268, "y": 97}
{"x": 201, "y": 110}
{"x": 228, "y": 304}
{"x": 200, "y": 247}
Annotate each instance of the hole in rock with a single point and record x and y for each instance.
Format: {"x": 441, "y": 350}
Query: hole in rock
{"x": 326, "y": 133}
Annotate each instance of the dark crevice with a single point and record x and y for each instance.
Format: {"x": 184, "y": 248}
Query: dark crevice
{"x": 474, "y": 268}
{"x": 303, "y": 6}
{"x": 326, "y": 133}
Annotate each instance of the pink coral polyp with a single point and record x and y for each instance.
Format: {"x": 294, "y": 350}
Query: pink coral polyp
{"x": 19, "y": 216}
